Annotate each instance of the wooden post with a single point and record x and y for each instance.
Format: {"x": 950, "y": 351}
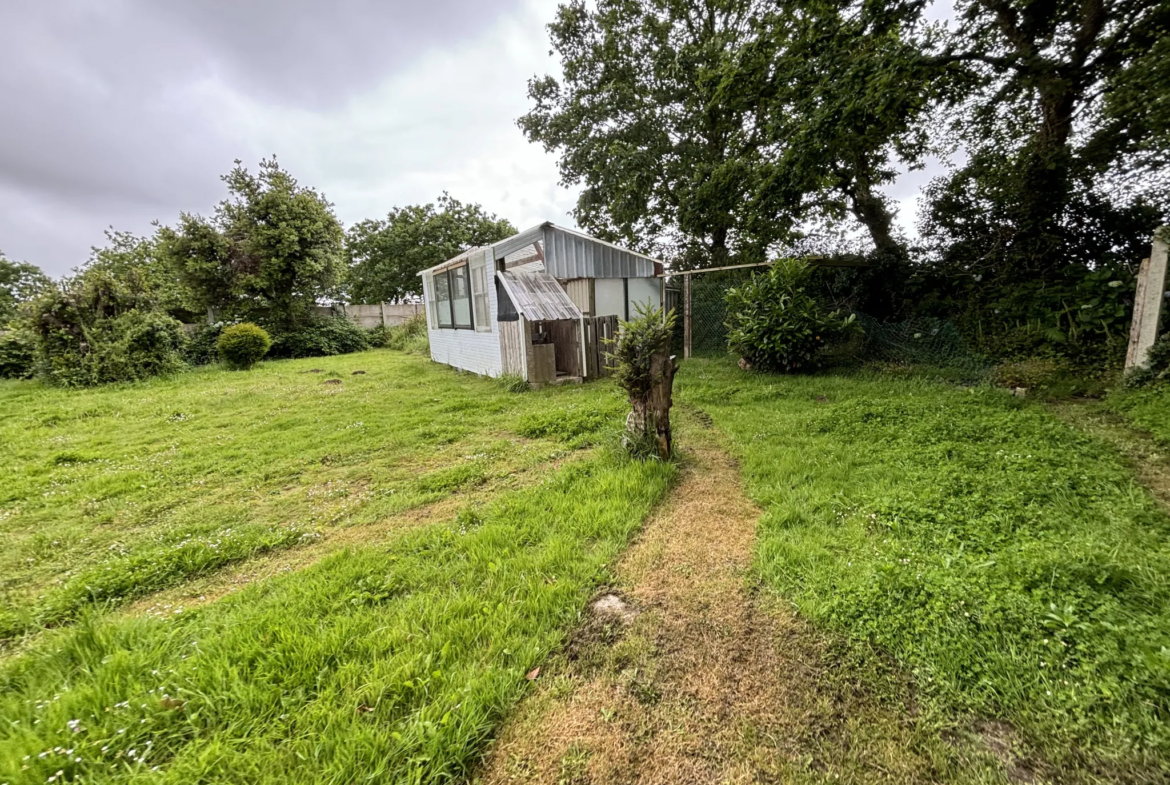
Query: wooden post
{"x": 382, "y": 308}
{"x": 686, "y": 317}
{"x": 1147, "y": 305}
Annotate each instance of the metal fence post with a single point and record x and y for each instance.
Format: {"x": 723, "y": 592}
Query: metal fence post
{"x": 687, "y": 316}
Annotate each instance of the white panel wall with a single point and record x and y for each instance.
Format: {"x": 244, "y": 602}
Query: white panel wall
{"x": 468, "y": 349}
{"x": 609, "y": 296}
{"x": 647, "y": 291}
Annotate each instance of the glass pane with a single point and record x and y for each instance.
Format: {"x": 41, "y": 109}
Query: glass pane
{"x": 479, "y": 296}
{"x": 461, "y": 297}
{"x": 432, "y": 316}
{"x": 443, "y": 299}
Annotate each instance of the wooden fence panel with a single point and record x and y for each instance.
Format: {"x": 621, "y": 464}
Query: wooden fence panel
{"x": 512, "y": 354}
{"x": 599, "y": 330}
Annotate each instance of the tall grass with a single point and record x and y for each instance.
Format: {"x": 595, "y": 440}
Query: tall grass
{"x": 116, "y": 492}
{"x": 1012, "y": 563}
{"x": 386, "y": 664}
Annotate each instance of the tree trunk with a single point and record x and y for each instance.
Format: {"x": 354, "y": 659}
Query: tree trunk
{"x": 871, "y": 210}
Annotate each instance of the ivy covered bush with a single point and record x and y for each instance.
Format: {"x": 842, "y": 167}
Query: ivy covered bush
{"x": 89, "y": 333}
{"x": 243, "y": 345}
{"x": 1157, "y": 365}
{"x": 18, "y": 352}
{"x": 202, "y": 347}
{"x": 775, "y": 322}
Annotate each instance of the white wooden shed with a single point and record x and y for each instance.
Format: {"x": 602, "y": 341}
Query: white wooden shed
{"x": 537, "y": 305}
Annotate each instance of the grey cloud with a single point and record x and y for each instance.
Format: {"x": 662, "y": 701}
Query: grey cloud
{"x": 109, "y": 111}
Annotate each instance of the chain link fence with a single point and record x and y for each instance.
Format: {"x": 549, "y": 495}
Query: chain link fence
{"x": 923, "y": 343}
{"x": 707, "y": 312}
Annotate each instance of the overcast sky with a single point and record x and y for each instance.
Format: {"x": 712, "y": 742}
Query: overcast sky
{"x": 120, "y": 112}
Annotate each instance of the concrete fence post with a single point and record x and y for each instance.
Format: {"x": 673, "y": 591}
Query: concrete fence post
{"x": 1147, "y": 303}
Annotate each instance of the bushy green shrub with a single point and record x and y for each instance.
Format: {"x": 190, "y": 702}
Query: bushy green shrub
{"x": 775, "y": 322}
{"x": 243, "y": 345}
{"x": 377, "y": 337}
{"x": 80, "y": 344}
{"x": 201, "y": 348}
{"x": 638, "y": 340}
{"x": 17, "y": 353}
{"x": 410, "y": 336}
{"x": 318, "y": 338}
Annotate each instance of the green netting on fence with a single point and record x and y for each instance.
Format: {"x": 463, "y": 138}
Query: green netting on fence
{"x": 919, "y": 342}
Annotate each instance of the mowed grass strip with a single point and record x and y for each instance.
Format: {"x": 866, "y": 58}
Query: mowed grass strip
{"x": 386, "y": 664}
{"x": 112, "y": 493}
{"x": 1011, "y": 562}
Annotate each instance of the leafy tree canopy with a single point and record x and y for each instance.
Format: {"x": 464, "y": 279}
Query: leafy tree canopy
{"x": 19, "y": 283}
{"x": 1057, "y": 111}
{"x": 668, "y": 164}
{"x": 273, "y": 246}
{"x": 387, "y": 254}
{"x": 130, "y": 273}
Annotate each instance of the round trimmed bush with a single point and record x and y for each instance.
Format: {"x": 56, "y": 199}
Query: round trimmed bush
{"x": 243, "y": 345}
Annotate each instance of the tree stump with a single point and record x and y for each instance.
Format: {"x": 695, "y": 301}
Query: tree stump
{"x": 649, "y": 418}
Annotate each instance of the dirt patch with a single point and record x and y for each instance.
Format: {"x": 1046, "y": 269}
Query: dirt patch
{"x": 710, "y": 682}
{"x": 1002, "y": 741}
{"x": 611, "y": 607}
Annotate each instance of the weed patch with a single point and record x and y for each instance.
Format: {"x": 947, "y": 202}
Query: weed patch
{"x": 574, "y": 425}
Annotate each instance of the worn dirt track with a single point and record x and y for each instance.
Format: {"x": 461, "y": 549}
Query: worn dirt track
{"x": 710, "y": 682}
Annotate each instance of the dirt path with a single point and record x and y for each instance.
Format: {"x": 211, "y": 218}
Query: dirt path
{"x": 1149, "y": 460}
{"x": 680, "y": 674}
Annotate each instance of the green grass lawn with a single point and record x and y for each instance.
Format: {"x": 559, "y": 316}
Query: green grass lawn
{"x": 1009, "y": 561}
{"x": 116, "y": 492}
{"x": 392, "y": 661}
{"x": 1147, "y": 409}
{"x": 1006, "y": 560}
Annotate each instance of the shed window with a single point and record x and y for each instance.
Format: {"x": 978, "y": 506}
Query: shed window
{"x": 443, "y": 299}
{"x": 460, "y": 297}
{"x": 432, "y": 306}
{"x": 451, "y": 301}
{"x": 479, "y": 292}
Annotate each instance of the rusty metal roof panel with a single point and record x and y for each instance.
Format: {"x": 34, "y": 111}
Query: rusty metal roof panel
{"x": 538, "y": 296}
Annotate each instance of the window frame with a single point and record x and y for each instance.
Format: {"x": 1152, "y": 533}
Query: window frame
{"x": 446, "y": 309}
{"x": 481, "y": 305}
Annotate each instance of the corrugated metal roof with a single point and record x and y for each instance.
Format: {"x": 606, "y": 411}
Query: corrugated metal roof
{"x": 538, "y": 296}
{"x": 570, "y": 254}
